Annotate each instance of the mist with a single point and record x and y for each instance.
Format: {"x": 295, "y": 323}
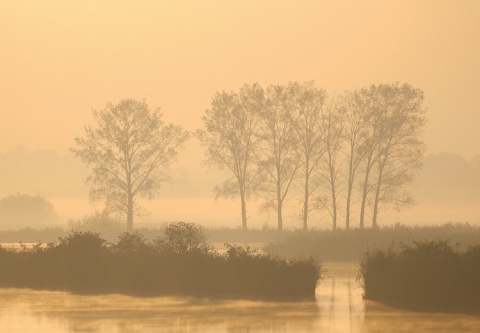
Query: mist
{"x": 240, "y": 166}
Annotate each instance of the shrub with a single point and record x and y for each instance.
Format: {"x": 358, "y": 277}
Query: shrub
{"x": 425, "y": 275}
{"x": 178, "y": 263}
{"x": 182, "y": 237}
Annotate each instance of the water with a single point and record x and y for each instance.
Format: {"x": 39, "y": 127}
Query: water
{"x": 338, "y": 307}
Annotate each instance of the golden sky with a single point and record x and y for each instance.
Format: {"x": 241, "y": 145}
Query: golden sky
{"x": 59, "y": 59}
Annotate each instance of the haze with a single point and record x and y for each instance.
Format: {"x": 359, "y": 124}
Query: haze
{"x": 60, "y": 59}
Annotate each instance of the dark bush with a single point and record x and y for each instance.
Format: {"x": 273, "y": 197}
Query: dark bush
{"x": 178, "y": 263}
{"x": 182, "y": 237}
{"x": 429, "y": 275}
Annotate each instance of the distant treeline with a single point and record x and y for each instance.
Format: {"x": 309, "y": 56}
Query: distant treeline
{"x": 323, "y": 245}
{"x": 429, "y": 275}
{"x": 179, "y": 262}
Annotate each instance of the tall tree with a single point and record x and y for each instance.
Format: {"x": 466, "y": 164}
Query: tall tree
{"x": 281, "y": 158}
{"x": 354, "y": 111}
{"x": 310, "y": 103}
{"x": 368, "y": 145}
{"x": 230, "y": 141}
{"x": 330, "y": 125}
{"x": 400, "y": 148}
{"x": 128, "y": 152}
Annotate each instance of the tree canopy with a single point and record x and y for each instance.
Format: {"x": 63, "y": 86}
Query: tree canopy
{"x": 128, "y": 152}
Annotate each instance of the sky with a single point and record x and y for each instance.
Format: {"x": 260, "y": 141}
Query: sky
{"x": 61, "y": 59}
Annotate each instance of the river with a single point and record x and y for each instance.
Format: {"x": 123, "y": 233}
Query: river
{"x": 338, "y": 307}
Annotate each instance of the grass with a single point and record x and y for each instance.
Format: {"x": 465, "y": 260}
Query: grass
{"x": 350, "y": 245}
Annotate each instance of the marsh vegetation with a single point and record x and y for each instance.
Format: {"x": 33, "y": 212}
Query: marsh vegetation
{"x": 179, "y": 262}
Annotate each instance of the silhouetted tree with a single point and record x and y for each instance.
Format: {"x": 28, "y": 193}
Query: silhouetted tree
{"x": 128, "y": 150}
{"x": 310, "y": 103}
{"x": 354, "y": 108}
{"x": 400, "y": 148}
{"x": 330, "y": 125}
{"x": 230, "y": 142}
{"x": 280, "y": 156}
{"x": 368, "y": 146}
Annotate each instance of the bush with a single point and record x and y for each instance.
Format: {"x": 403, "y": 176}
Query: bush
{"x": 426, "y": 275}
{"x": 180, "y": 262}
{"x": 181, "y": 238}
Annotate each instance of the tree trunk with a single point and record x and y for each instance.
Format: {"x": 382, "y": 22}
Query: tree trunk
{"x": 377, "y": 196}
{"x": 244, "y": 210}
{"x": 347, "y": 213}
{"x": 334, "y": 207}
{"x": 364, "y": 202}
{"x": 349, "y": 188}
{"x": 279, "y": 201}
{"x": 129, "y": 212}
{"x": 365, "y": 192}
{"x": 305, "y": 201}
{"x": 279, "y": 216}
{"x": 375, "y": 208}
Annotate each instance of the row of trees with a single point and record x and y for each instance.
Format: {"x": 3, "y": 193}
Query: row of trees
{"x": 361, "y": 147}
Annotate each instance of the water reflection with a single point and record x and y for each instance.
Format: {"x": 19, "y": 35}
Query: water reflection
{"x": 339, "y": 307}
{"x": 40, "y": 311}
{"x": 339, "y": 298}
{"x": 380, "y": 318}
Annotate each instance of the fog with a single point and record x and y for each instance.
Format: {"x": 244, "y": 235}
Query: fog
{"x": 60, "y": 61}
{"x": 64, "y": 65}
{"x": 447, "y": 189}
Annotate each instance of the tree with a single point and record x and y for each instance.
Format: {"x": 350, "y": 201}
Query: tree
{"x": 25, "y": 210}
{"x": 368, "y": 146}
{"x": 400, "y": 149}
{"x": 279, "y": 149}
{"x": 310, "y": 103}
{"x": 230, "y": 142}
{"x": 354, "y": 109}
{"x": 128, "y": 152}
{"x": 330, "y": 125}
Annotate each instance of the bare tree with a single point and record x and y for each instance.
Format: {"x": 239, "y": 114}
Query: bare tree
{"x": 330, "y": 125}
{"x": 400, "y": 149}
{"x": 354, "y": 111}
{"x": 280, "y": 156}
{"x": 368, "y": 145}
{"x": 305, "y": 116}
{"x": 230, "y": 141}
{"x": 128, "y": 152}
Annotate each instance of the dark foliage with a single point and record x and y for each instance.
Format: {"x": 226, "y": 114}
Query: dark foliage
{"x": 428, "y": 275}
{"x": 179, "y": 262}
